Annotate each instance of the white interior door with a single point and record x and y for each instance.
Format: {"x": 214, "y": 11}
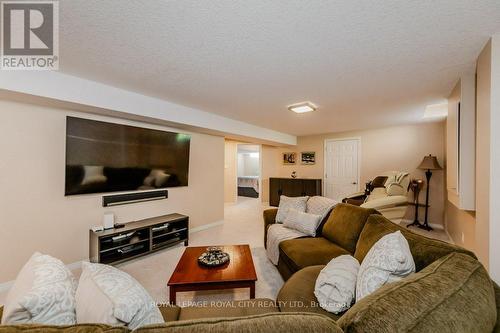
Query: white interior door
{"x": 341, "y": 168}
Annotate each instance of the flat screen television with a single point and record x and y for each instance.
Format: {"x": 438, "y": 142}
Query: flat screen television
{"x": 106, "y": 157}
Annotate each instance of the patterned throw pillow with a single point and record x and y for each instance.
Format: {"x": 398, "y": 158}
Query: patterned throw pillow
{"x": 336, "y": 284}
{"x": 297, "y": 203}
{"x": 303, "y": 222}
{"x": 43, "y": 293}
{"x": 320, "y": 205}
{"x": 388, "y": 260}
{"x": 123, "y": 300}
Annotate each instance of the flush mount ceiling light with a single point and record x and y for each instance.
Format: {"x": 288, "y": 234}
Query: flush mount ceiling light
{"x": 302, "y": 107}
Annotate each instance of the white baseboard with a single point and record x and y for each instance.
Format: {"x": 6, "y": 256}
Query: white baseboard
{"x": 76, "y": 265}
{"x": 206, "y": 226}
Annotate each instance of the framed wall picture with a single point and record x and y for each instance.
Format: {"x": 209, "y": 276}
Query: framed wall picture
{"x": 308, "y": 157}
{"x": 289, "y": 158}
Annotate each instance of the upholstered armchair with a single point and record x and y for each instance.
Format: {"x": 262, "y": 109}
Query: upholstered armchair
{"x": 386, "y": 193}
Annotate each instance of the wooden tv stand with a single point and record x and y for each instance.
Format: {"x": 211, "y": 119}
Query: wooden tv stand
{"x": 135, "y": 239}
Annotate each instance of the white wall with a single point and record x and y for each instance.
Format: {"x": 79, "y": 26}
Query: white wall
{"x": 241, "y": 164}
{"x": 248, "y": 164}
{"x": 36, "y": 216}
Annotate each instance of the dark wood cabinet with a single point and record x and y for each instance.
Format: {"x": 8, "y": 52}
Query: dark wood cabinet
{"x": 138, "y": 238}
{"x": 292, "y": 187}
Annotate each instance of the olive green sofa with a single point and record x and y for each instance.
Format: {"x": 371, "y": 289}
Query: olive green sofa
{"x": 259, "y": 315}
{"x": 450, "y": 292}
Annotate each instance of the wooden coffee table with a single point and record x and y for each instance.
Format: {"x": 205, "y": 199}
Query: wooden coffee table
{"x": 239, "y": 272}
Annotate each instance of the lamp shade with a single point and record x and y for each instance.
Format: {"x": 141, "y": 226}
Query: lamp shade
{"x": 430, "y": 163}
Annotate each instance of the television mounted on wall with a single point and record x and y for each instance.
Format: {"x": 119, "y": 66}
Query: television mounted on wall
{"x": 107, "y": 157}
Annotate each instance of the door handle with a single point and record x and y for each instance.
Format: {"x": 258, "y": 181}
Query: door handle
{"x": 353, "y": 183}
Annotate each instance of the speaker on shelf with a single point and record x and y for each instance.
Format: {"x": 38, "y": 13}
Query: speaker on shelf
{"x": 123, "y": 199}
{"x": 108, "y": 221}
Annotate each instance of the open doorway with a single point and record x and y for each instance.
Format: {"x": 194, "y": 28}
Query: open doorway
{"x": 248, "y": 170}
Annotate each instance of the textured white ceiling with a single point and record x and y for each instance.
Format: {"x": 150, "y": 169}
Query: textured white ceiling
{"x": 364, "y": 63}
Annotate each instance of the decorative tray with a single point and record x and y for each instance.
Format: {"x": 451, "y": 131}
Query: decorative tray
{"x": 213, "y": 257}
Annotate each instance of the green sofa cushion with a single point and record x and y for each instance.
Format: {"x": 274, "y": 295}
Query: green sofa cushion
{"x": 345, "y": 224}
{"x": 80, "y": 328}
{"x": 229, "y": 309}
{"x": 302, "y": 252}
{"x": 424, "y": 250}
{"x": 497, "y": 296}
{"x": 170, "y": 312}
{"x": 297, "y": 294}
{"x": 453, "y": 294}
{"x": 272, "y": 322}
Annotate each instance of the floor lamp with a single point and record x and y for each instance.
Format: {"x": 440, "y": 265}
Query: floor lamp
{"x": 428, "y": 163}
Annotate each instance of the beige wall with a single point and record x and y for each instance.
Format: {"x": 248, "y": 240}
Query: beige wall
{"x": 384, "y": 149}
{"x": 461, "y": 224}
{"x": 230, "y": 171}
{"x": 270, "y": 160}
{"x": 494, "y": 221}
{"x": 483, "y": 94}
{"x": 480, "y": 229}
{"x": 35, "y": 215}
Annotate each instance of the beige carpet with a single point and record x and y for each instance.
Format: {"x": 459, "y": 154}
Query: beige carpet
{"x": 242, "y": 225}
{"x": 439, "y": 234}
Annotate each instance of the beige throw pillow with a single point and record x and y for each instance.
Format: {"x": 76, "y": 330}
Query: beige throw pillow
{"x": 298, "y": 203}
{"x": 109, "y": 296}
{"x": 388, "y": 260}
{"x": 43, "y": 293}
{"x": 320, "y": 205}
{"x": 303, "y": 222}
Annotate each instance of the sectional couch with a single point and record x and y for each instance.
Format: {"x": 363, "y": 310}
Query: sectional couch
{"x": 450, "y": 292}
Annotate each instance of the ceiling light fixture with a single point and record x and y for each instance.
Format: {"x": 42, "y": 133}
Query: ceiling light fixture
{"x": 302, "y": 107}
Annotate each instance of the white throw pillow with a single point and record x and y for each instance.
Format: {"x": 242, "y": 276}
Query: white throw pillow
{"x": 43, "y": 293}
{"x": 388, "y": 260}
{"x": 298, "y": 203}
{"x": 109, "y": 296}
{"x": 320, "y": 205}
{"x": 335, "y": 286}
{"x": 303, "y": 222}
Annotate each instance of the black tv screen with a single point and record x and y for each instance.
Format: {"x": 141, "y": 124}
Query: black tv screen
{"x": 106, "y": 157}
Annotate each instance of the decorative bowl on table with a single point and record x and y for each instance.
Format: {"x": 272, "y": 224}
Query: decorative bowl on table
{"x": 213, "y": 257}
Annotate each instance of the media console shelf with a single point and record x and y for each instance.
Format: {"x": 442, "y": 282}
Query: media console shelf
{"x": 138, "y": 238}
